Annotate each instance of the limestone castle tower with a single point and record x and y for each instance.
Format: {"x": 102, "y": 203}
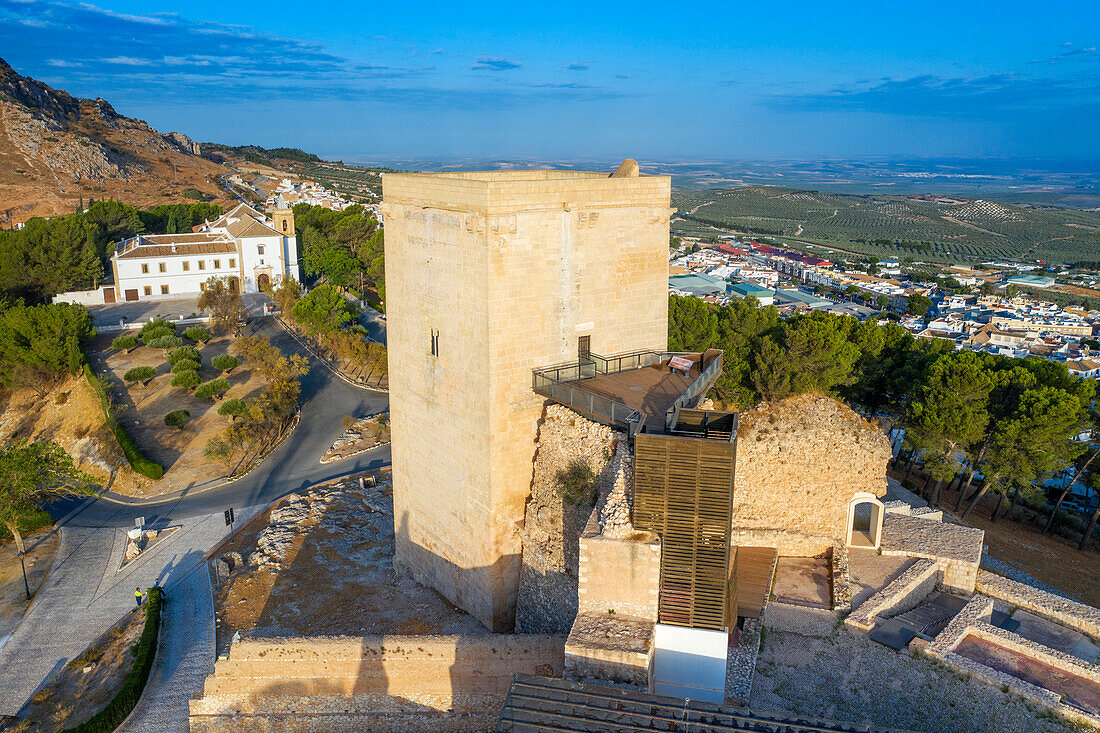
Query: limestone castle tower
{"x": 490, "y": 275}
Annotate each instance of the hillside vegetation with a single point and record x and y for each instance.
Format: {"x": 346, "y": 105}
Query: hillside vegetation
{"x": 930, "y": 228}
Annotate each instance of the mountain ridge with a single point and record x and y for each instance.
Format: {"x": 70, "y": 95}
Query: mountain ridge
{"x": 57, "y": 150}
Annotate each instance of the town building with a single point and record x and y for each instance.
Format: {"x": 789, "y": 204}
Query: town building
{"x": 288, "y": 193}
{"x": 246, "y": 248}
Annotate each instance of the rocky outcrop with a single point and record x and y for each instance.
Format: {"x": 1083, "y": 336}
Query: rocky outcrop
{"x": 56, "y": 145}
{"x": 547, "y": 599}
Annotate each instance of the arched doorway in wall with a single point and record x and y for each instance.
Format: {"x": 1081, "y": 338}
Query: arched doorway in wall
{"x": 865, "y": 513}
{"x": 234, "y": 285}
{"x": 263, "y": 281}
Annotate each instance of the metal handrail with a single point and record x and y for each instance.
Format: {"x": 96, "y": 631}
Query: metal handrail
{"x": 601, "y": 408}
{"x": 701, "y": 384}
{"x": 555, "y": 382}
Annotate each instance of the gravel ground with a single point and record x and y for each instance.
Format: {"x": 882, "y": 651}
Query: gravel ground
{"x": 847, "y": 676}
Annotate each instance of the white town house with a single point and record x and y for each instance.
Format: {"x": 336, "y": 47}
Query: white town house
{"x": 245, "y": 247}
{"x": 248, "y": 249}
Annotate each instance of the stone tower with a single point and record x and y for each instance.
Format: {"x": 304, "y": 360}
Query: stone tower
{"x": 488, "y": 276}
{"x": 284, "y": 221}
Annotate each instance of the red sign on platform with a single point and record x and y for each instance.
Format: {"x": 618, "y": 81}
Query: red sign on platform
{"x": 679, "y": 362}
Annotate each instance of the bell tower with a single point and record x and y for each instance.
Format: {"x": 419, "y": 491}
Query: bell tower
{"x": 284, "y": 221}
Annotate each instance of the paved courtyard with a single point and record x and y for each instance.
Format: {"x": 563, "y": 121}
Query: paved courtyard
{"x": 170, "y": 308}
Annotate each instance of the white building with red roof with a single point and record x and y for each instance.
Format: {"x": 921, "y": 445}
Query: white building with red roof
{"x": 245, "y": 247}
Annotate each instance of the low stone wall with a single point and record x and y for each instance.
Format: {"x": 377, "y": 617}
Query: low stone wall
{"x": 974, "y": 621}
{"x": 956, "y": 549}
{"x": 1065, "y": 611}
{"x": 376, "y": 683}
{"x": 903, "y": 593}
{"x": 842, "y": 581}
{"x": 787, "y": 543}
{"x": 741, "y": 662}
{"x": 603, "y": 647}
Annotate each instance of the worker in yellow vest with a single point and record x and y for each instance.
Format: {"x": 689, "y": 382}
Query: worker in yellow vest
{"x": 138, "y": 597}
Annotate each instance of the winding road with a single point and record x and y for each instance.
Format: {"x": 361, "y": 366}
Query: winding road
{"x": 325, "y": 397}
{"x": 89, "y": 589}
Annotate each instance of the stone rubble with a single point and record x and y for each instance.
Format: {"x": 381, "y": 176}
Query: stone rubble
{"x": 360, "y": 436}
{"x": 140, "y": 545}
{"x": 547, "y": 599}
{"x": 297, "y": 513}
{"x": 615, "y": 509}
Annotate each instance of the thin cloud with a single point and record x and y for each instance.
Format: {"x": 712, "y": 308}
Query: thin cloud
{"x": 929, "y": 95}
{"x": 492, "y": 63}
{"x": 577, "y": 66}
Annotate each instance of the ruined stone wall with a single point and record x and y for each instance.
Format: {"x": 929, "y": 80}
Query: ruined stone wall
{"x": 799, "y": 462}
{"x": 506, "y": 270}
{"x": 375, "y": 683}
{"x": 547, "y": 598}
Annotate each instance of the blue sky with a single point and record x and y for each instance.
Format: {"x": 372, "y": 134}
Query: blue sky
{"x": 733, "y": 80}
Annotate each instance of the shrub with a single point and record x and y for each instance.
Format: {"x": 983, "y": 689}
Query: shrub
{"x": 225, "y": 362}
{"x": 134, "y": 456}
{"x": 125, "y": 342}
{"x": 119, "y": 707}
{"x": 140, "y": 374}
{"x": 165, "y": 342}
{"x": 197, "y": 333}
{"x": 177, "y": 418}
{"x": 232, "y": 408}
{"x": 156, "y": 328}
{"x": 577, "y": 484}
{"x": 185, "y": 365}
{"x": 188, "y": 379}
{"x": 184, "y": 352}
{"x": 212, "y": 389}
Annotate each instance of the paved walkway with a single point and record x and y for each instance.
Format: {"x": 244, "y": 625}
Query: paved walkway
{"x": 85, "y": 595}
{"x": 186, "y": 654}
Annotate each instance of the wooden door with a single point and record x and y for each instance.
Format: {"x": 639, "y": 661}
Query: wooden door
{"x": 108, "y": 295}
{"x": 132, "y": 294}
{"x": 584, "y": 347}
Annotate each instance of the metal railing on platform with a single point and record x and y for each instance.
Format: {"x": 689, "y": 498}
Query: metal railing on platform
{"x": 556, "y": 382}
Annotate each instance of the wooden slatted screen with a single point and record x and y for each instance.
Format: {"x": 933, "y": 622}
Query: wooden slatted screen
{"x": 683, "y": 491}
{"x": 752, "y": 570}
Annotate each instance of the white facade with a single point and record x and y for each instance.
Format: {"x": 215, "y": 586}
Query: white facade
{"x": 244, "y": 247}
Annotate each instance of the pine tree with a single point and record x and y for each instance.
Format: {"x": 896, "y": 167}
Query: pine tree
{"x": 91, "y": 264}
{"x": 173, "y": 224}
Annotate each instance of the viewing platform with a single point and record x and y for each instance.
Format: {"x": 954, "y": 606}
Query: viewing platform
{"x": 636, "y": 391}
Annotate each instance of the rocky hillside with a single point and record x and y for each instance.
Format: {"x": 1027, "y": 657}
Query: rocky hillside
{"x": 56, "y": 149}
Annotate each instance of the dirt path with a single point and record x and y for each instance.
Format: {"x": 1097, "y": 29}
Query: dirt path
{"x": 708, "y": 203}
{"x": 41, "y": 549}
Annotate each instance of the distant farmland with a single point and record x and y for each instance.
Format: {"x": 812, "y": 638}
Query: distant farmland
{"x": 929, "y": 228}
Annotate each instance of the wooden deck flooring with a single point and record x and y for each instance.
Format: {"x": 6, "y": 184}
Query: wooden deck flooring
{"x": 650, "y": 390}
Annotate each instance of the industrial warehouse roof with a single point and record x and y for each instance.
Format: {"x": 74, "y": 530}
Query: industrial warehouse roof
{"x": 800, "y": 297}
{"x": 540, "y": 705}
{"x": 747, "y": 289}
{"x": 1035, "y": 281}
{"x": 698, "y": 283}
